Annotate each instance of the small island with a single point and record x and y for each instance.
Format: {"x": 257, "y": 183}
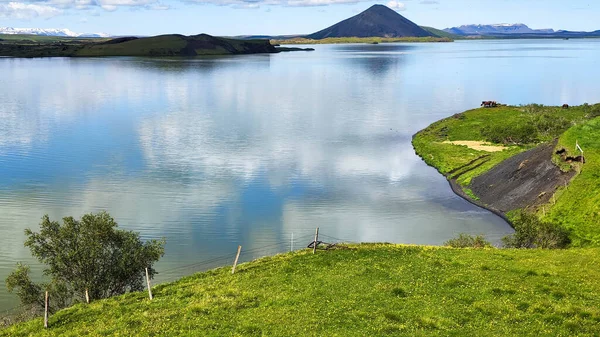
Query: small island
{"x": 155, "y": 46}
{"x": 510, "y": 159}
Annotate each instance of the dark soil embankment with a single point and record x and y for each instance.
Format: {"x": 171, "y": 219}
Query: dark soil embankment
{"x": 527, "y": 179}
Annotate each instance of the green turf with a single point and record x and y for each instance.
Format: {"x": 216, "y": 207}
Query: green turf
{"x": 577, "y": 207}
{"x": 369, "y": 290}
{"x": 468, "y": 125}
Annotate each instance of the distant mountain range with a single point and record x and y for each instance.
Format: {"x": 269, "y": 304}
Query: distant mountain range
{"x": 377, "y": 21}
{"x": 502, "y": 28}
{"x": 517, "y": 30}
{"x": 48, "y": 32}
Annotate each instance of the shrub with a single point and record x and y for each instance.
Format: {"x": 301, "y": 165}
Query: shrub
{"x": 468, "y": 241}
{"x": 531, "y": 232}
{"x": 91, "y": 254}
{"x": 595, "y": 111}
{"x": 511, "y": 134}
{"x": 548, "y": 124}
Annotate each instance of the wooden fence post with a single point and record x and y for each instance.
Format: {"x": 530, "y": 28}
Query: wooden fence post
{"x": 237, "y": 256}
{"x": 316, "y": 239}
{"x": 148, "y": 282}
{"x": 46, "y": 311}
{"x": 87, "y": 296}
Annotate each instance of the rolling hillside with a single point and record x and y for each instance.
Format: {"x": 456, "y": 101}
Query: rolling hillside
{"x": 362, "y": 290}
{"x": 163, "y": 45}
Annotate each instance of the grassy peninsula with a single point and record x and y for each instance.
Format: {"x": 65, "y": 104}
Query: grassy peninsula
{"x": 163, "y": 45}
{"x": 364, "y": 290}
{"x": 494, "y": 156}
{"x": 372, "y": 40}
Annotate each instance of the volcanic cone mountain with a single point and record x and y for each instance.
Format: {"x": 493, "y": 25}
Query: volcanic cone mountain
{"x": 377, "y": 21}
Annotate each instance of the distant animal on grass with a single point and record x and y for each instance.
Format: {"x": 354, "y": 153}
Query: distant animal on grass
{"x": 489, "y": 104}
{"x": 565, "y": 106}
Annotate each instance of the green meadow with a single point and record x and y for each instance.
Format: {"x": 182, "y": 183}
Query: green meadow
{"x": 363, "y": 290}
{"x": 575, "y": 207}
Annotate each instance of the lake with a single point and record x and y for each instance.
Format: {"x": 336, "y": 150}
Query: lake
{"x": 249, "y": 150}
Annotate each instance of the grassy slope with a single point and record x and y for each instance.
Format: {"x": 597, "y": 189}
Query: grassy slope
{"x": 578, "y": 206}
{"x": 467, "y": 126}
{"x": 441, "y": 33}
{"x": 139, "y": 47}
{"x": 371, "y": 290}
{"x": 338, "y": 40}
{"x": 163, "y": 45}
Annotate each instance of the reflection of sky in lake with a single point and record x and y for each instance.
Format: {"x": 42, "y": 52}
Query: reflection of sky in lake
{"x": 211, "y": 153}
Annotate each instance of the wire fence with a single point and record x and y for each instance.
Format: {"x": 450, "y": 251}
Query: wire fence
{"x": 172, "y": 274}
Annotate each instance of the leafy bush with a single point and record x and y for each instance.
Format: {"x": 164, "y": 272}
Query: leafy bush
{"x": 468, "y": 241}
{"x": 549, "y": 125}
{"x": 533, "y": 108}
{"x": 531, "y": 232}
{"x": 91, "y": 254}
{"x": 595, "y": 111}
{"x": 511, "y": 134}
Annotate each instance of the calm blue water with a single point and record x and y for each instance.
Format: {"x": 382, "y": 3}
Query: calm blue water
{"x": 212, "y": 153}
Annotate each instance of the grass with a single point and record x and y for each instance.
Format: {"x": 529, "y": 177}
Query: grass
{"x": 577, "y": 207}
{"x": 469, "y": 126}
{"x": 338, "y": 40}
{"x": 441, "y": 33}
{"x": 368, "y": 290}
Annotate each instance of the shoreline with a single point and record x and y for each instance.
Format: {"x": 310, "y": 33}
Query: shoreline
{"x": 457, "y": 189}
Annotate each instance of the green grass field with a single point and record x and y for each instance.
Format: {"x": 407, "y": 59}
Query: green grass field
{"x": 468, "y": 125}
{"x": 577, "y": 207}
{"x": 368, "y": 290}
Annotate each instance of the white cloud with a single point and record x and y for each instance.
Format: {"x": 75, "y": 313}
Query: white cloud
{"x": 26, "y": 11}
{"x": 396, "y": 5}
{"x": 286, "y": 3}
{"x": 309, "y": 3}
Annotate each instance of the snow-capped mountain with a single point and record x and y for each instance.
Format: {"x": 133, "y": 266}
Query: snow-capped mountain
{"x": 48, "y": 32}
{"x": 497, "y": 29}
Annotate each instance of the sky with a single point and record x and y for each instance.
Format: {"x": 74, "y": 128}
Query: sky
{"x": 279, "y": 17}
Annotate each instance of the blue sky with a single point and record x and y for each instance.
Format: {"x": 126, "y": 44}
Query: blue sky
{"x": 237, "y": 17}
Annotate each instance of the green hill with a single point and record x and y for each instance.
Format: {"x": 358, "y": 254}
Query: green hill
{"x": 163, "y": 45}
{"x": 526, "y": 173}
{"x": 441, "y": 33}
{"x": 364, "y": 290}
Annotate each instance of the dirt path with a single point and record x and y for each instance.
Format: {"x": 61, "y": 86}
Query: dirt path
{"x": 477, "y": 145}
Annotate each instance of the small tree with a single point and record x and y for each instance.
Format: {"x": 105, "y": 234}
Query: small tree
{"x": 531, "y": 232}
{"x": 91, "y": 253}
{"x": 468, "y": 241}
